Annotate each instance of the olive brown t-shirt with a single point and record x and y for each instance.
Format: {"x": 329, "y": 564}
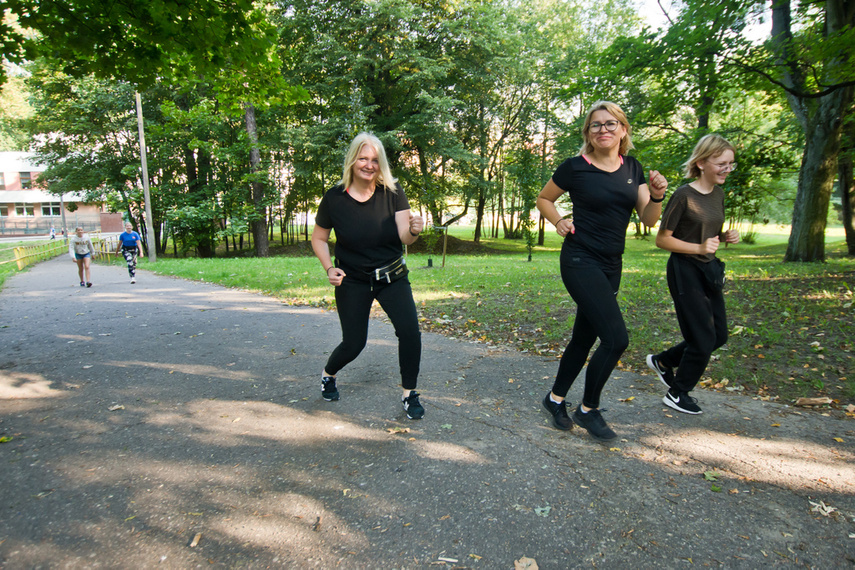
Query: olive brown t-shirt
{"x": 695, "y": 217}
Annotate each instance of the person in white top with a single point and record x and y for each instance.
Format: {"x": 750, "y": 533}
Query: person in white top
{"x": 81, "y": 250}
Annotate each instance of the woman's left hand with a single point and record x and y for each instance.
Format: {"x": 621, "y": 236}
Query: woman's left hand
{"x": 658, "y": 184}
{"x": 731, "y": 236}
{"x": 417, "y": 224}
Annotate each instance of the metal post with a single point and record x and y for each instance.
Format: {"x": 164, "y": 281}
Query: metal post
{"x": 64, "y": 227}
{"x": 152, "y": 245}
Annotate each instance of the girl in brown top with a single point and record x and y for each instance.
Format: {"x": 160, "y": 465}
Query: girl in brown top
{"x": 691, "y": 230}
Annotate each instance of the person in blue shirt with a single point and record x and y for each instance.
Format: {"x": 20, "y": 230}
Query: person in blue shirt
{"x": 130, "y": 247}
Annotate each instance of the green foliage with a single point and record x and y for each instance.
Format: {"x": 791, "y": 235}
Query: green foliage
{"x": 143, "y": 41}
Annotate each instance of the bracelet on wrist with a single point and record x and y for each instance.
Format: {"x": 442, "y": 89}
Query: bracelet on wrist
{"x": 655, "y": 201}
{"x": 412, "y": 234}
{"x": 328, "y": 269}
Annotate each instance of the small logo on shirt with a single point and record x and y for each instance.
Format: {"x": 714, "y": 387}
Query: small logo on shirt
{"x": 629, "y": 180}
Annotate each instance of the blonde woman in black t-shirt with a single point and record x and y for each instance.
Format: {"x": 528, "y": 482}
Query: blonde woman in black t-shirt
{"x": 605, "y": 185}
{"x": 691, "y": 230}
{"x": 372, "y": 221}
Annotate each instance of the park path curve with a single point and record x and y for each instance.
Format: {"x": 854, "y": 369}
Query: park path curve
{"x": 179, "y": 424}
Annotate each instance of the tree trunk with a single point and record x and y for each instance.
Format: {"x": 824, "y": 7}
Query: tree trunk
{"x": 259, "y": 220}
{"x": 821, "y": 119}
{"x": 816, "y": 178}
{"x": 845, "y": 178}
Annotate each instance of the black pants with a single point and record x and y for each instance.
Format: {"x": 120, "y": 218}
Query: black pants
{"x": 353, "y": 301}
{"x": 702, "y": 318}
{"x": 598, "y": 315}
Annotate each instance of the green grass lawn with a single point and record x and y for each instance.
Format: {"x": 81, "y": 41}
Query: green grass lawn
{"x": 791, "y": 325}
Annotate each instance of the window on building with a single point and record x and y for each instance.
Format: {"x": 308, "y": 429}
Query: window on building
{"x": 4, "y": 211}
{"x": 26, "y": 181}
{"x": 52, "y": 209}
{"x": 2, "y": 181}
{"x": 25, "y": 210}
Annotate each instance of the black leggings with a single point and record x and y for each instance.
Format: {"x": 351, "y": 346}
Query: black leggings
{"x": 597, "y": 316}
{"x": 703, "y": 322}
{"x": 353, "y": 301}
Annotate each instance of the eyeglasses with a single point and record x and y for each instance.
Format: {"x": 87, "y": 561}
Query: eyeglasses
{"x": 724, "y": 166}
{"x": 611, "y": 126}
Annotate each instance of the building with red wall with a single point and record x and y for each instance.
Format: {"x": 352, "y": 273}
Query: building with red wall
{"x": 27, "y": 208}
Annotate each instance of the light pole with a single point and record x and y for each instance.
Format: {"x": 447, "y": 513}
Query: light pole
{"x": 152, "y": 245}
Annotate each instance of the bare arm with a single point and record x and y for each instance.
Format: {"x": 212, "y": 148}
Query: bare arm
{"x": 665, "y": 240}
{"x": 648, "y": 210}
{"x": 409, "y": 226}
{"x": 546, "y": 206}
{"x": 321, "y": 247}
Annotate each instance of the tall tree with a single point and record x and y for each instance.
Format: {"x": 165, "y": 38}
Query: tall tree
{"x": 813, "y": 64}
{"x": 231, "y": 45}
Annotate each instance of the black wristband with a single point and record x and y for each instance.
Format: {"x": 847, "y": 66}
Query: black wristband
{"x": 655, "y": 201}
{"x": 328, "y": 269}
{"x": 412, "y": 234}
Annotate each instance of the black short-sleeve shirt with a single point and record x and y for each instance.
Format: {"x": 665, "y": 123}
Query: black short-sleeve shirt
{"x": 366, "y": 235}
{"x": 695, "y": 217}
{"x": 602, "y": 205}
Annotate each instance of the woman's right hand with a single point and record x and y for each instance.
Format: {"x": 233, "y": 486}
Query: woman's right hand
{"x": 564, "y": 227}
{"x": 336, "y": 276}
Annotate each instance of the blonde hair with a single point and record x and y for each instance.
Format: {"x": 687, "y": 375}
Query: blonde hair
{"x": 709, "y": 146}
{"x": 614, "y": 110}
{"x": 384, "y": 177}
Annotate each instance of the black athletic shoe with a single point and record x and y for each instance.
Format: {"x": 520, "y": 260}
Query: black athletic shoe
{"x": 682, "y": 402}
{"x": 557, "y": 414}
{"x": 88, "y": 284}
{"x": 414, "y": 409}
{"x": 595, "y": 424}
{"x": 328, "y": 389}
{"x": 664, "y": 373}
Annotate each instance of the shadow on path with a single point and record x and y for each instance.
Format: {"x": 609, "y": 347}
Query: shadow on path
{"x": 179, "y": 424}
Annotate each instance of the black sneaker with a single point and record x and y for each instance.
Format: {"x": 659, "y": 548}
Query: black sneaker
{"x": 665, "y": 373}
{"x": 682, "y": 402}
{"x": 557, "y": 414}
{"x": 593, "y": 422}
{"x": 411, "y": 404}
{"x": 328, "y": 389}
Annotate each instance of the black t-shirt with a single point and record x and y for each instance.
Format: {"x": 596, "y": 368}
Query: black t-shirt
{"x": 366, "y": 236}
{"x": 695, "y": 217}
{"x": 602, "y": 205}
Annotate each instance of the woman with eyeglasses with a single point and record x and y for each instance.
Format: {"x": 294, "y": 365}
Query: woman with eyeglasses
{"x": 604, "y": 186}
{"x": 691, "y": 230}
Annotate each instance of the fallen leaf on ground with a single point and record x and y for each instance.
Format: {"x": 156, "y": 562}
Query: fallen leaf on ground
{"x": 398, "y": 430}
{"x": 813, "y": 401}
{"x": 196, "y": 540}
{"x": 711, "y": 476}
{"x": 838, "y": 439}
{"x": 822, "y": 508}
{"x": 525, "y": 563}
{"x": 116, "y": 407}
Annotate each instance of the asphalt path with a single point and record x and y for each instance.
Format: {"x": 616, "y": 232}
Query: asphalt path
{"x": 178, "y": 424}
